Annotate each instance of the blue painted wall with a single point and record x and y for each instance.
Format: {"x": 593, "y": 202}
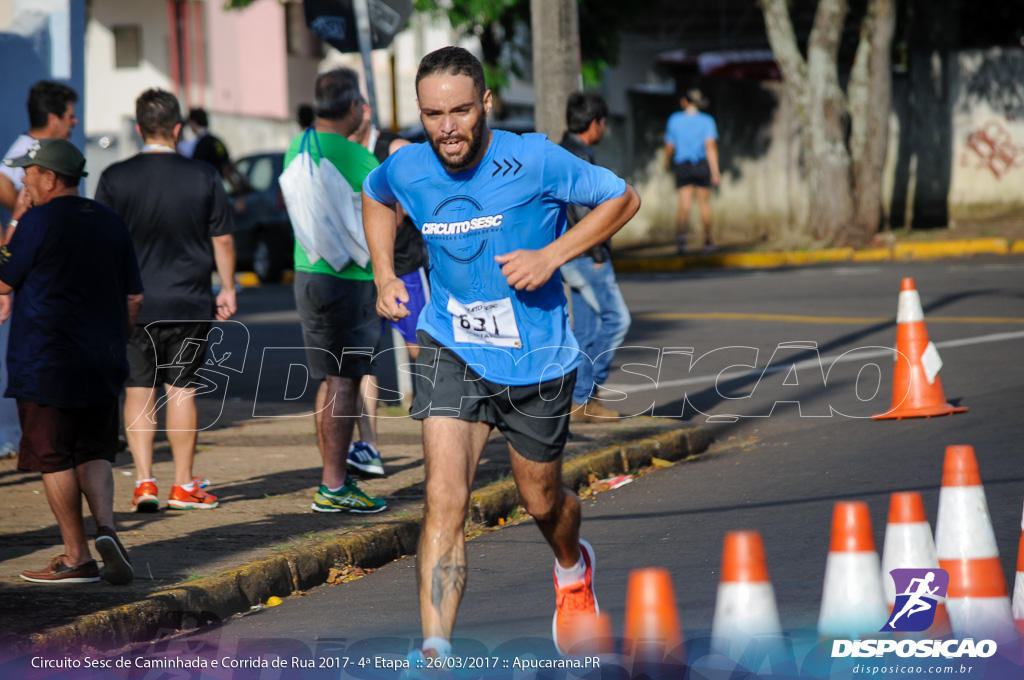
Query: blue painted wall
{"x": 27, "y": 52}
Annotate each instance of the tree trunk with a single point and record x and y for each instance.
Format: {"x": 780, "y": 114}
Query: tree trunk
{"x": 821, "y": 106}
{"x": 870, "y": 95}
{"x": 556, "y": 61}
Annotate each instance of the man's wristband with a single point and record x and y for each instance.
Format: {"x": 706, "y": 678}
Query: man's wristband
{"x": 12, "y": 223}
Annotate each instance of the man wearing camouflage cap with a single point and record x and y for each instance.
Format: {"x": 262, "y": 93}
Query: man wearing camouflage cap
{"x": 72, "y": 263}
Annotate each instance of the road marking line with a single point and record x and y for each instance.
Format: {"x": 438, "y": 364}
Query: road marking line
{"x": 825, "y": 362}
{"x": 796, "y": 318}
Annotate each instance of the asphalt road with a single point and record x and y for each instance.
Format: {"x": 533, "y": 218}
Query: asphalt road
{"x": 776, "y": 470}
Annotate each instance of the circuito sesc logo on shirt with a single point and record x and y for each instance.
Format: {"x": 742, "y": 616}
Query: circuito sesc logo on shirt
{"x": 917, "y": 594}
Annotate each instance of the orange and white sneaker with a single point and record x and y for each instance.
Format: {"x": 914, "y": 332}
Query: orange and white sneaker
{"x": 575, "y": 599}
{"x": 145, "y": 499}
{"x": 197, "y": 499}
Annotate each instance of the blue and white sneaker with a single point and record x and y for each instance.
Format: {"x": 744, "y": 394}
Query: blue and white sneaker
{"x": 364, "y": 460}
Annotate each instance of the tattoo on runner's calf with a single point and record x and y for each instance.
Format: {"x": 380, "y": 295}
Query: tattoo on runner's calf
{"x": 449, "y": 579}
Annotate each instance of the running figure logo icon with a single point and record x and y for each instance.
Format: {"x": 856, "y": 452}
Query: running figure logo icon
{"x": 917, "y": 593}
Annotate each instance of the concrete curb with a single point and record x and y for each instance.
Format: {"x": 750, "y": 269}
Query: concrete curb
{"x": 898, "y": 252}
{"x": 212, "y": 599}
{"x": 925, "y": 250}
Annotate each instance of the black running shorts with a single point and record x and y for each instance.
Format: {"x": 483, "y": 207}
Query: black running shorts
{"x": 534, "y": 418}
{"x": 693, "y": 174}
{"x": 166, "y": 352}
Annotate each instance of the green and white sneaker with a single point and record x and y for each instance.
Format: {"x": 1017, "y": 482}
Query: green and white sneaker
{"x": 349, "y": 498}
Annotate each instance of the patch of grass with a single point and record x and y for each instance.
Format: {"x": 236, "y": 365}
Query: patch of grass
{"x": 503, "y": 478}
{"x": 193, "y": 575}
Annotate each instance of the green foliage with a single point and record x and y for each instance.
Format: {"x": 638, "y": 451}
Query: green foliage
{"x": 496, "y": 22}
{"x": 593, "y": 72}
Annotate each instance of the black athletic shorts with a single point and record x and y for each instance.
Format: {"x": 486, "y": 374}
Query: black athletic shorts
{"x": 693, "y": 174}
{"x": 56, "y": 439}
{"x": 337, "y": 315}
{"x": 166, "y": 352}
{"x": 534, "y": 418}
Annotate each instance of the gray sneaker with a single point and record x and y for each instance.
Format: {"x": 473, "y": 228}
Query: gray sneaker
{"x": 364, "y": 460}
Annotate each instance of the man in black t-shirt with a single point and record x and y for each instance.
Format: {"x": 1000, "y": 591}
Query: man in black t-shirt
{"x": 212, "y": 150}
{"x": 73, "y": 266}
{"x": 178, "y": 215}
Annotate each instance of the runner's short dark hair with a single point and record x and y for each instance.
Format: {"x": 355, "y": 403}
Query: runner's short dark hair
{"x": 452, "y": 61}
{"x": 335, "y": 93}
{"x": 157, "y": 112}
{"x": 48, "y": 97}
{"x": 582, "y": 109}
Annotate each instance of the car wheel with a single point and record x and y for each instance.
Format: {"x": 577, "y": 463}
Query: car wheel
{"x": 266, "y": 261}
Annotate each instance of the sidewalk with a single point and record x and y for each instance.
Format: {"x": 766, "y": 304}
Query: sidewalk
{"x": 747, "y": 256}
{"x": 199, "y": 566}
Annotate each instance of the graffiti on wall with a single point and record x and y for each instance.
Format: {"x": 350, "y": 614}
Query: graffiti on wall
{"x": 992, "y": 146}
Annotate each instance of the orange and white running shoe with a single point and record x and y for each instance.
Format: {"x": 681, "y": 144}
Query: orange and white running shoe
{"x": 575, "y": 599}
{"x": 145, "y": 499}
{"x": 197, "y": 499}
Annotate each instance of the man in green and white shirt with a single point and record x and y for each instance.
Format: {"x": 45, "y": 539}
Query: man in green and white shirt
{"x": 337, "y": 307}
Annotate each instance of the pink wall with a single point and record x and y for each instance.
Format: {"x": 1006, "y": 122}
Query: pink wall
{"x": 247, "y": 58}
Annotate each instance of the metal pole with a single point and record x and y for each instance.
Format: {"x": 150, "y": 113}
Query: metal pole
{"x": 362, "y": 9}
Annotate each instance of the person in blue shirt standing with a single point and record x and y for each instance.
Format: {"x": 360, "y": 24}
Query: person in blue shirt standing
{"x": 495, "y": 345}
{"x": 691, "y": 152}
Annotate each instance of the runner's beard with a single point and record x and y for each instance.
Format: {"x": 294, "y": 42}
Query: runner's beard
{"x": 474, "y": 142}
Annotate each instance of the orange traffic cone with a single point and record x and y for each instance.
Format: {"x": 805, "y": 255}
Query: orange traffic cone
{"x": 1018, "y": 584}
{"x": 909, "y": 545}
{"x": 852, "y": 603}
{"x": 916, "y": 386}
{"x": 745, "y": 610}
{"x": 977, "y": 601}
{"x": 590, "y": 636}
{"x": 652, "y": 621}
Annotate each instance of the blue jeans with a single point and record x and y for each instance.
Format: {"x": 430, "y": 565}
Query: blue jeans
{"x": 600, "y": 320}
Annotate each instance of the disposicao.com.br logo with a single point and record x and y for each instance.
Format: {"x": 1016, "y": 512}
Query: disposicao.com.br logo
{"x": 918, "y": 592}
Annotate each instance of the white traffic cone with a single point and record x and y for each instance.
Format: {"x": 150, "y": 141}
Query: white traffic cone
{"x": 909, "y": 545}
{"x": 852, "y": 603}
{"x": 746, "y": 615}
{"x": 1018, "y": 584}
{"x": 977, "y": 601}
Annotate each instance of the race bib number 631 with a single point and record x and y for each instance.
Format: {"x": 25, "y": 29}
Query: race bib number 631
{"x": 485, "y": 323}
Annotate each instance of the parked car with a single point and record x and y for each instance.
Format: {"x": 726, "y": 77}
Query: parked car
{"x": 264, "y": 242}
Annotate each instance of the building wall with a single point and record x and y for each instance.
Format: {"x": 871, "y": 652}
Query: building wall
{"x": 112, "y": 91}
{"x": 250, "y": 85}
{"x": 763, "y": 195}
{"x": 39, "y": 39}
{"x": 988, "y": 142}
{"x": 247, "y": 60}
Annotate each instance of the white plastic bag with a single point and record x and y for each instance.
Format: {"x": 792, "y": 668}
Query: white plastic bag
{"x": 326, "y": 214}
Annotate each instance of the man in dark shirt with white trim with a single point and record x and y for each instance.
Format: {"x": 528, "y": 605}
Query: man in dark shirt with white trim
{"x": 73, "y": 266}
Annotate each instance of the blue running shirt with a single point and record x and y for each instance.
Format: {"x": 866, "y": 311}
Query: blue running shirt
{"x": 688, "y": 132}
{"x": 515, "y": 198}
